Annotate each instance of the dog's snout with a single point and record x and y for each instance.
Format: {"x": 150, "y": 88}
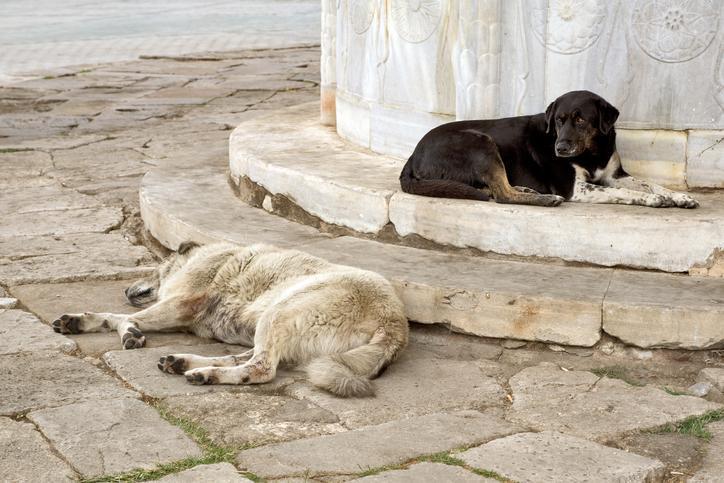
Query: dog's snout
{"x": 564, "y": 148}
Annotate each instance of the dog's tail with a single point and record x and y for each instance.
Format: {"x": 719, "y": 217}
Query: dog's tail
{"x": 348, "y": 374}
{"x": 438, "y": 188}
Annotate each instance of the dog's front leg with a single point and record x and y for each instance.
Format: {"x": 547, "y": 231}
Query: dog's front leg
{"x": 180, "y": 363}
{"x": 591, "y": 193}
{"x": 164, "y": 315}
{"x": 673, "y": 198}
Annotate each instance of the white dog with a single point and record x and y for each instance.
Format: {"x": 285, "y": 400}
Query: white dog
{"x": 347, "y": 325}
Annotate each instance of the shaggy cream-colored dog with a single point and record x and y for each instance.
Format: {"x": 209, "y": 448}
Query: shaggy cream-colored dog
{"x": 345, "y": 324}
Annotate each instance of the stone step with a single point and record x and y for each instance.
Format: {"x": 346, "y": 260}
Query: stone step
{"x": 346, "y": 185}
{"x": 477, "y": 295}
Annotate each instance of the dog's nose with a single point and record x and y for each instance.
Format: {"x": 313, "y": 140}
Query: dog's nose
{"x": 564, "y": 147}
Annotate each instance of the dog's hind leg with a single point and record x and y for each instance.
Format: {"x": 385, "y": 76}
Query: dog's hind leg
{"x": 492, "y": 172}
{"x": 180, "y": 363}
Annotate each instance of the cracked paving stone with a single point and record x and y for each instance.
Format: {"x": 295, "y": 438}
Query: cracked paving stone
{"x": 392, "y": 443}
{"x": 26, "y": 456}
{"x": 558, "y": 458}
{"x": 23, "y": 164}
{"x": 243, "y": 419}
{"x": 68, "y": 258}
{"x": 23, "y": 332}
{"x": 139, "y": 368}
{"x": 47, "y": 379}
{"x": 48, "y": 198}
{"x": 428, "y": 472}
{"x": 712, "y": 467}
{"x": 582, "y": 404}
{"x": 218, "y": 473}
{"x": 445, "y": 385}
{"x": 113, "y": 436}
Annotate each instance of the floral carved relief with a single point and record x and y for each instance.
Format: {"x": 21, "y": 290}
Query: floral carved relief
{"x": 568, "y": 26}
{"x": 675, "y": 30}
{"x": 361, "y": 13}
{"x": 416, "y": 20}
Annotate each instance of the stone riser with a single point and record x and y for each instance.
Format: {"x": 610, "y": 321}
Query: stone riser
{"x": 354, "y": 188}
{"x": 495, "y": 298}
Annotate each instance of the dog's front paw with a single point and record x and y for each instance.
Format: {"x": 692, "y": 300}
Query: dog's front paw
{"x": 67, "y": 324}
{"x": 133, "y": 339}
{"x": 553, "y": 200}
{"x": 201, "y": 376}
{"x": 683, "y": 200}
{"x": 172, "y": 364}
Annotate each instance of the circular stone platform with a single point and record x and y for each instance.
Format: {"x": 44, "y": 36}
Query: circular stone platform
{"x": 289, "y": 153}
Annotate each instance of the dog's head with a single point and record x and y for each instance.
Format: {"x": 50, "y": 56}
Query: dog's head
{"x": 580, "y": 119}
{"x": 145, "y": 290}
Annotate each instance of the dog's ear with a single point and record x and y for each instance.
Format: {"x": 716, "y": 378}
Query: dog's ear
{"x": 607, "y": 115}
{"x": 550, "y": 114}
{"x": 186, "y": 247}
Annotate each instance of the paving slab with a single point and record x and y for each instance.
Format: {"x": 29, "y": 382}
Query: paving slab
{"x": 47, "y": 198}
{"x": 354, "y": 193}
{"x": 446, "y": 344}
{"x": 555, "y": 457}
{"x": 67, "y": 258}
{"x": 47, "y": 379}
{"x": 232, "y": 419}
{"x": 428, "y": 472}
{"x": 391, "y": 443}
{"x": 8, "y": 303}
{"x": 446, "y": 385}
{"x": 113, "y": 436}
{"x": 475, "y": 295}
{"x": 85, "y": 220}
{"x": 173, "y": 219}
{"x": 218, "y": 473}
{"x": 14, "y": 165}
{"x": 139, "y": 369}
{"x": 714, "y": 376}
{"x": 712, "y": 467}
{"x": 582, "y": 404}
{"x": 21, "y": 331}
{"x": 27, "y": 456}
{"x": 689, "y": 311}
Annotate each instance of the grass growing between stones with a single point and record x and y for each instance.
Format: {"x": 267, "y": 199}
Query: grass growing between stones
{"x": 694, "y": 425}
{"x": 616, "y": 372}
{"x": 212, "y": 454}
{"x": 674, "y": 392}
{"x": 445, "y": 458}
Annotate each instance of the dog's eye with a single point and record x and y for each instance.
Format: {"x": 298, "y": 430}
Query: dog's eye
{"x": 559, "y": 121}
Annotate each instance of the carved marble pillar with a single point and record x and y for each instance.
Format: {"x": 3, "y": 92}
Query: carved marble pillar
{"x": 476, "y": 58}
{"x": 328, "y": 64}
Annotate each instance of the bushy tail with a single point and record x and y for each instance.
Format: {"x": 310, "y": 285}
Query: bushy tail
{"x": 438, "y": 188}
{"x": 348, "y": 374}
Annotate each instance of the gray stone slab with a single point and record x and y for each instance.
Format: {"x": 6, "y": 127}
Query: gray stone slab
{"x": 87, "y": 220}
{"x": 712, "y": 467}
{"x": 21, "y": 331}
{"x": 557, "y": 458}
{"x": 417, "y": 383}
{"x": 387, "y": 444}
{"x": 445, "y": 343}
{"x": 218, "y": 473}
{"x": 48, "y": 198}
{"x": 23, "y": 163}
{"x": 46, "y": 379}
{"x": 139, "y": 369}
{"x": 221, "y": 216}
{"x": 436, "y": 472}
{"x": 714, "y": 376}
{"x": 688, "y": 311}
{"x": 491, "y": 298}
{"x": 67, "y": 258}
{"x": 113, "y": 436}
{"x": 233, "y": 419}
{"x": 27, "y": 456}
{"x": 49, "y": 301}
{"x": 582, "y": 404}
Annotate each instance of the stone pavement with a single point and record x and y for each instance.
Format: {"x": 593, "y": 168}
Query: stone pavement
{"x": 73, "y": 148}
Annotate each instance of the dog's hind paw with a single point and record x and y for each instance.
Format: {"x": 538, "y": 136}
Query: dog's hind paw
{"x": 67, "y": 324}
{"x": 201, "y": 376}
{"x": 133, "y": 339}
{"x": 172, "y": 364}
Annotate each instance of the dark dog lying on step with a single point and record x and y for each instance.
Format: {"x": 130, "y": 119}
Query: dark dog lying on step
{"x": 567, "y": 153}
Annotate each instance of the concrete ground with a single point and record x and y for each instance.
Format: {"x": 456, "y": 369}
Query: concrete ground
{"x": 73, "y": 149}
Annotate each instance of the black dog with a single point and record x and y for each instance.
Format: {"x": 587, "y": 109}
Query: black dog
{"x": 567, "y": 153}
